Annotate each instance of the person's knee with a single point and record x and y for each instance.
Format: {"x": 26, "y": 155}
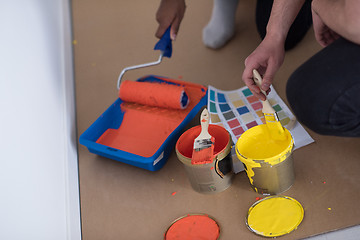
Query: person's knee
{"x": 344, "y": 117}
{"x": 321, "y": 108}
{"x": 302, "y": 100}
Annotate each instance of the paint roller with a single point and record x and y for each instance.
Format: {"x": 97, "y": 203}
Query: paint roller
{"x": 156, "y": 94}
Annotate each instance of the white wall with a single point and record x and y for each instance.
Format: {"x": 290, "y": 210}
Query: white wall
{"x": 39, "y": 195}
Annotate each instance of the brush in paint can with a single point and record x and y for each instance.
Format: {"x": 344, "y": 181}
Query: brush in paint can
{"x": 203, "y": 151}
{"x": 273, "y": 123}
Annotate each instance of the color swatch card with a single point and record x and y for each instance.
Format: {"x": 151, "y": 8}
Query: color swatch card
{"x": 239, "y": 110}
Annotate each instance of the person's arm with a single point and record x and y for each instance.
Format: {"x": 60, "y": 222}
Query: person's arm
{"x": 170, "y": 12}
{"x": 269, "y": 55}
{"x": 336, "y": 17}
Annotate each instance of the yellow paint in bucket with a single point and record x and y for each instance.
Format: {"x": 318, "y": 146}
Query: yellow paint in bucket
{"x": 268, "y": 162}
{"x": 274, "y": 216}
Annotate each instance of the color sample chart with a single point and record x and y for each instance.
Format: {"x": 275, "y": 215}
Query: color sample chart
{"x": 238, "y": 110}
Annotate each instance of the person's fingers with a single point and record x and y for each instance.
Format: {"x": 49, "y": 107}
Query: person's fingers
{"x": 170, "y": 12}
{"x": 249, "y": 81}
{"x": 175, "y": 25}
{"x": 163, "y": 19}
{"x": 161, "y": 29}
{"x": 268, "y": 76}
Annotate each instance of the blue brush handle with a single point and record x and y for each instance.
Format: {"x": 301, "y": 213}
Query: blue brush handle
{"x": 165, "y": 44}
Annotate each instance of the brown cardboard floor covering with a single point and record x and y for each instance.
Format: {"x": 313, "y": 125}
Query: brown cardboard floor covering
{"x": 119, "y": 201}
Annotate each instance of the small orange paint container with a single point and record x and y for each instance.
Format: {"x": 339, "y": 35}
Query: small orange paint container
{"x": 210, "y": 177}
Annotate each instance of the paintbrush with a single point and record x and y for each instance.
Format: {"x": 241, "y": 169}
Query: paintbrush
{"x": 204, "y": 144}
{"x": 276, "y": 130}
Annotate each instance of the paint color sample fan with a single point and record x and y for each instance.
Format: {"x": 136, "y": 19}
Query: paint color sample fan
{"x": 239, "y": 110}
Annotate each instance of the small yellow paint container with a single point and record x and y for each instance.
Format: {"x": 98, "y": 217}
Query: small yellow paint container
{"x": 268, "y": 162}
{"x": 210, "y": 177}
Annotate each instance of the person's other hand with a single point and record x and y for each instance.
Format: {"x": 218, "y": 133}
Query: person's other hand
{"x": 170, "y": 12}
{"x": 323, "y": 34}
{"x": 266, "y": 59}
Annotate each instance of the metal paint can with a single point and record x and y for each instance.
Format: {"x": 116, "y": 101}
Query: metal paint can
{"x": 210, "y": 177}
{"x": 268, "y": 162}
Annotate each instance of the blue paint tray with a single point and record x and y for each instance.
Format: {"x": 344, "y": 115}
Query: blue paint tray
{"x": 106, "y": 135}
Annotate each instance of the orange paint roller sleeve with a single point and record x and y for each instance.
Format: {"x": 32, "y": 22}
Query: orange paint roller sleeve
{"x": 154, "y": 94}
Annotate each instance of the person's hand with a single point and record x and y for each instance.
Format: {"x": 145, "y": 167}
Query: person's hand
{"x": 323, "y": 34}
{"x": 170, "y": 12}
{"x": 266, "y": 59}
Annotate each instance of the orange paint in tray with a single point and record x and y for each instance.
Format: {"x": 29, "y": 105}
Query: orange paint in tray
{"x": 146, "y": 135}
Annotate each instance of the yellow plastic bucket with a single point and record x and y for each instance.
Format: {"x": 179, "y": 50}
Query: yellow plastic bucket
{"x": 268, "y": 162}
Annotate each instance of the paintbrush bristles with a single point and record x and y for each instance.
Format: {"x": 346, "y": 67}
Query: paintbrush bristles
{"x": 205, "y": 155}
{"x": 269, "y": 117}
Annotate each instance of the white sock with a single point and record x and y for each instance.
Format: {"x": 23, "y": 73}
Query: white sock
{"x": 221, "y": 26}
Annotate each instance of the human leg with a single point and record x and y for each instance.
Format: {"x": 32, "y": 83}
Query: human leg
{"x": 297, "y": 30}
{"x": 324, "y": 92}
{"x": 221, "y": 26}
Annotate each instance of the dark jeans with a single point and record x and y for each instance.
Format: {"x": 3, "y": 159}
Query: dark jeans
{"x": 324, "y": 92}
{"x": 298, "y": 29}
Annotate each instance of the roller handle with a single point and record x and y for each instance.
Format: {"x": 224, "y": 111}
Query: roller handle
{"x": 165, "y": 47}
{"x": 165, "y": 44}
{"x": 267, "y": 108}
